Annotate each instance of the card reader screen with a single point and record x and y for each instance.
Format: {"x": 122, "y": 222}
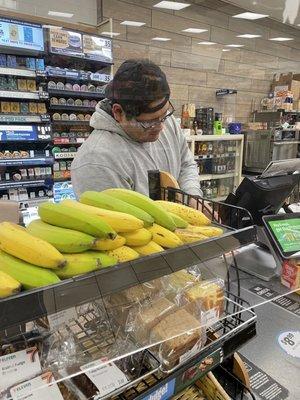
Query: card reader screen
{"x": 287, "y": 233}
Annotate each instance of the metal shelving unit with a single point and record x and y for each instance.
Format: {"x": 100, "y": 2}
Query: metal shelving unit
{"x": 71, "y": 93}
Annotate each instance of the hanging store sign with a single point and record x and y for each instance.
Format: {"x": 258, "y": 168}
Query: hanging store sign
{"x": 21, "y": 35}
{"x": 97, "y": 48}
{"x": 64, "y": 42}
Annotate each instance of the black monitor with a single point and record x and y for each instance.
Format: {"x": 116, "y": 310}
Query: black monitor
{"x": 266, "y": 194}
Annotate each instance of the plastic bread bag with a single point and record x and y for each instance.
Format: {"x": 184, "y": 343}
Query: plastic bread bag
{"x": 181, "y": 335}
{"x": 178, "y": 281}
{"x": 209, "y": 295}
{"x": 143, "y": 318}
{"x": 119, "y": 305}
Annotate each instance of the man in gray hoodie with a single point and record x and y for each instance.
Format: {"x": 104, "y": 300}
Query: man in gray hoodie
{"x": 134, "y": 132}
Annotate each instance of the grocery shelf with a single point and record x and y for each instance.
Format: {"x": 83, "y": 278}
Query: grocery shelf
{"x": 224, "y": 338}
{"x": 19, "y": 118}
{"x": 27, "y": 161}
{"x": 206, "y": 177}
{"x": 71, "y": 108}
{"x": 29, "y": 305}
{"x": 77, "y": 75}
{"x": 213, "y": 156}
{"x": 26, "y": 183}
{"x": 71, "y": 93}
{"x": 212, "y": 138}
{"x": 18, "y": 72}
{"x": 64, "y": 155}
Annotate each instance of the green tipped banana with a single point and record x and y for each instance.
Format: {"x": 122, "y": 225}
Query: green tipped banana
{"x": 63, "y": 239}
{"x": 180, "y": 223}
{"x": 103, "y": 200}
{"x": 78, "y": 264}
{"x": 160, "y": 216}
{"x": 27, "y": 274}
{"x": 67, "y": 217}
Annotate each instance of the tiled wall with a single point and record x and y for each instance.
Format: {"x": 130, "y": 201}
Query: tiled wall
{"x": 195, "y": 72}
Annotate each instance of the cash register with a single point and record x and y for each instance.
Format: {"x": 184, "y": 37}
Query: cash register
{"x": 264, "y": 196}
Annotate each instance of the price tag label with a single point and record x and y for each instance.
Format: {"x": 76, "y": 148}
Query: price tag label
{"x": 42, "y": 387}
{"x": 290, "y": 343}
{"x": 62, "y": 317}
{"x": 19, "y": 366}
{"x": 107, "y": 378}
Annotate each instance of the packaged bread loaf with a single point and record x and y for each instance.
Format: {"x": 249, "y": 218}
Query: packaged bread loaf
{"x": 141, "y": 321}
{"x": 181, "y": 335}
{"x": 210, "y": 296}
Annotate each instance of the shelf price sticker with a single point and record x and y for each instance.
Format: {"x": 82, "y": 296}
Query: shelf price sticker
{"x": 107, "y": 378}
{"x": 290, "y": 343}
{"x": 19, "y": 366}
{"x": 42, "y": 387}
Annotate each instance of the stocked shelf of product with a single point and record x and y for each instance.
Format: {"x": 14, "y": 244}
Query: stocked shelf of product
{"x": 24, "y": 183}
{"x": 18, "y": 72}
{"x": 73, "y": 74}
{"x": 68, "y": 122}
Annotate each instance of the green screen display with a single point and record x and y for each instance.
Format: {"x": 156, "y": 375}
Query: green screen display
{"x": 287, "y": 232}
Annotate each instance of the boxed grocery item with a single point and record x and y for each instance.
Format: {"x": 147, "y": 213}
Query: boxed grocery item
{"x": 22, "y": 84}
{"x": 290, "y": 274}
{"x": 5, "y": 107}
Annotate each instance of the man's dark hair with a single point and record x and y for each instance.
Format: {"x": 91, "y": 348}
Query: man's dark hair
{"x": 135, "y": 85}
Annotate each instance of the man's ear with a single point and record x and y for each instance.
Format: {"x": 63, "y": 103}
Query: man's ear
{"x": 117, "y": 112}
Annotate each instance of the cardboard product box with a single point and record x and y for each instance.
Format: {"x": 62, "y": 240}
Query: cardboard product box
{"x": 290, "y": 274}
{"x": 9, "y": 211}
{"x": 287, "y": 81}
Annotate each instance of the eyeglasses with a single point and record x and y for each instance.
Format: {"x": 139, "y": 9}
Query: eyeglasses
{"x": 151, "y": 124}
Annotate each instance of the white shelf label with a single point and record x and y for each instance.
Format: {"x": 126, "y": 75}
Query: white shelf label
{"x": 42, "y": 387}
{"x": 106, "y": 378}
{"x": 19, "y": 366}
{"x": 62, "y": 317}
{"x": 64, "y": 155}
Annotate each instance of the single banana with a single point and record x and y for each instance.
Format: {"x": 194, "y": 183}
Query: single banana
{"x": 138, "y": 238}
{"x": 164, "y": 237}
{"x": 109, "y": 244}
{"x": 189, "y": 214}
{"x": 67, "y": 217}
{"x": 180, "y": 222}
{"x": 150, "y": 248}
{"x": 16, "y": 241}
{"x": 104, "y": 201}
{"x": 63, "y": 239}
{"x": 123, "y": 254}
{"x": 120, "y": 222}
{"x": 187, "y": 236}
{"x": 209, "y": 231}
{"x": 160, "y": 216}
{"x": 82, "y": 263}
{"x": 30, "y": 276}
{"x": 8, "y": 285}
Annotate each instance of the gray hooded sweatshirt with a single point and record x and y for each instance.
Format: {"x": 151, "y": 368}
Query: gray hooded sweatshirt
{"x": 111, "y": 159}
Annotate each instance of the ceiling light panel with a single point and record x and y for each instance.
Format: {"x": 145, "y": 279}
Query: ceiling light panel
{"x": 133, "y": 23}
{"x": 281, "y": 39}
{"x": 225, "y": 50}
{"x": 234, "y": 45}
{"x": 171, "y": 5}
{"x": 248, "y": 36}
{"x": 60, "y": 14}
{"x": 207, "y": 43}
{"x": 161, "y": 39}
{"x": 250, "y": 15}
{"x": 195, "y": 30}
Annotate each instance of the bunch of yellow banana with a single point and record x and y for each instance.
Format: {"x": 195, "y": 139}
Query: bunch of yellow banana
{"x": 163, "y": 237}
{"x": 119, "y": 222}
{"x": 209, "y": 231}
{"x": 187, "y": 236}
{"x": 123, "y": 254}
{"x": 188, "y": 214}
{"x": 16, "y": 241}
{"x": 150, "y": 248}
{"x": 82, "y": 263}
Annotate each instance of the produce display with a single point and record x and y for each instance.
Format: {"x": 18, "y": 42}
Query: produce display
{"x": 101, "y": 229}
